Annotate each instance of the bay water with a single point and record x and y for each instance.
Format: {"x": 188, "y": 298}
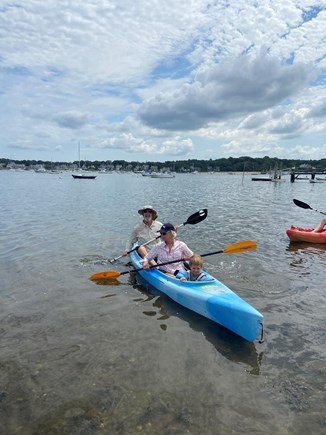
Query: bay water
{"x": 81, "y": 358}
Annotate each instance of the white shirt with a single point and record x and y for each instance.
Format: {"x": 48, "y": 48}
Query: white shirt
{"x": 143, "y": 233}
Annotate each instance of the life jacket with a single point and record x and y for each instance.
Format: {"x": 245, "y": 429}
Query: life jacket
{"x": 197, "y": 278}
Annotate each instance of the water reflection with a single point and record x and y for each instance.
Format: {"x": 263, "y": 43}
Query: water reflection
{"x": 112, "y": 281}
{"x": 230, "y": 345}
{"x": 114, "y": 382}
{"x": 305, "y": 255}
{"x": 313, "y": 248}
{"x": 109, "y": 295}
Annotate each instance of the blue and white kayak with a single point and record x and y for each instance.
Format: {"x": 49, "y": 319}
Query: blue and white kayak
{"x": 211, "y": 299}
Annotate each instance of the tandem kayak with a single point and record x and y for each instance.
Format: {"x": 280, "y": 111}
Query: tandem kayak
{"x": 211, "y": 299}
{"x": 297, "y": 234}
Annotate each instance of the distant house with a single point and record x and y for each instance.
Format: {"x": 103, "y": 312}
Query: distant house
{"x": 13, "y": 165}
{"x": 306, "y": 166}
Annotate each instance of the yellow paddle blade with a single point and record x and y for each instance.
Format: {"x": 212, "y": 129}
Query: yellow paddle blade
{"x": 243, "y": 246}
{"x": 109, "y": 274}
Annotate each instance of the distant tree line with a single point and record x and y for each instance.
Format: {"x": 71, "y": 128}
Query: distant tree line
{"x": 230, "y": 164}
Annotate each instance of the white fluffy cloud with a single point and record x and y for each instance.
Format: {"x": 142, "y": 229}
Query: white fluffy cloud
{"x": 186, "y": 79}
{"x": 224, "y": 91}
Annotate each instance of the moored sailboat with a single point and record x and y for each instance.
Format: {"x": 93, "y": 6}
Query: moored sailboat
{"x": 82, "y": 175}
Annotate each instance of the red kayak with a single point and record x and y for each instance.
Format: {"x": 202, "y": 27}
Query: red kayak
{"x": 297, "y": 234}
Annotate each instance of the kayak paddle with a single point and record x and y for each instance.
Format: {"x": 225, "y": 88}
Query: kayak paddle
{"x": 306, "y": 206}
{"x": 193, "y": 219}
{"x": 235, "y": 248}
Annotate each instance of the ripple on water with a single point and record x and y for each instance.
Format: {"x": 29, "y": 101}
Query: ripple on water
{"x": 81, "y": 358}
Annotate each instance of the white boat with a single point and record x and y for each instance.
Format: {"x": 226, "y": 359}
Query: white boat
{"x": 54, "y": 171}
{"x": 40, "y": 170}
{"x": 162, "y": 175}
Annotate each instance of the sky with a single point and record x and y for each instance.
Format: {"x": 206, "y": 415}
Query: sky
{"x": 158, "y": 80}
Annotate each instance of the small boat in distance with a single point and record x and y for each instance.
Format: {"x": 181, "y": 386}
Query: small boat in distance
{"x": 261, "y": 179}
{"x": 162, "y": 175}
{"x": 40, "y": 170}
{"x": 82, "y": 175}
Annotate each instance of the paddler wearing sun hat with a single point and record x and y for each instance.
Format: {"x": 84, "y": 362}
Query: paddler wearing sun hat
{"x": 147, "y": 230}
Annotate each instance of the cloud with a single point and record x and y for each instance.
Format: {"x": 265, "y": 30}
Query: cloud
{"x": 260, "y": 147}
{"x": 183, "y": 79}
{"x": 290, "y": 123}
{"x": 226, "y": 90}
{"x": 72, "y": 119}
{"x": 177, "y": 146}
{"x": 307, "y": 151}
{"x": 130, "y": 144}
{"x": 319, "y": 110}
{"x": 28, "y": 146}
{"x": 253, "y": 121}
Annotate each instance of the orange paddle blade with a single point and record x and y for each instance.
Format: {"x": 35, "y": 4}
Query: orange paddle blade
{"x": 109, "y": 274}
{"x": 243, "y": 246}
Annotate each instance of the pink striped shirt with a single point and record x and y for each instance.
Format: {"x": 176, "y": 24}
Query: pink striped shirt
{"x": 162, "y": 254}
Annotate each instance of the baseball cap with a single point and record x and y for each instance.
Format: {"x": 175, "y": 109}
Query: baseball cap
{"x": 165, "y": 228}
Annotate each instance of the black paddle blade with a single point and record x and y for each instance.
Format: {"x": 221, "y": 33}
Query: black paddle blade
{"x": 197, "y": 217}
{"x": 301, "y": 204}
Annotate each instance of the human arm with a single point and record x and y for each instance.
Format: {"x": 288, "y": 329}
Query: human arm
{"x": 153, "y": 253}
{"x": 181, "y": 275}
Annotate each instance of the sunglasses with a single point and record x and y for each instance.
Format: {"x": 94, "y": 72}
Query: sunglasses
{"x": 147, "y": 211}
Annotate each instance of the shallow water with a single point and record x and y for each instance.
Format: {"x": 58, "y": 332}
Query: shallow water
{"x": 80, "y": 358}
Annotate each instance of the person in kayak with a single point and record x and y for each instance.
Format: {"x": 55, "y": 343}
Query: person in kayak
{"x": 195, "y": 272}
{"x": 147, "y": 230}
{"x": 169, "y": 249}
{"x": 320, "y": 227}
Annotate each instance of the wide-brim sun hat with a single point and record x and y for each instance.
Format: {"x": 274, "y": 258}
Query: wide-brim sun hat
{"x": 148, "y": 207}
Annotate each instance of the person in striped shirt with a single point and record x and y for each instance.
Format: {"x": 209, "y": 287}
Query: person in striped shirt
{"x": 169, "y": 249}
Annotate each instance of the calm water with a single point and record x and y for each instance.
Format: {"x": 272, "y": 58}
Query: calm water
{"x": 80, "y": 358}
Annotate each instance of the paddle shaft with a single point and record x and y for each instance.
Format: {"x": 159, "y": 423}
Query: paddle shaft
{"x": 182, "y": 259}
{"x": 235, "y": 248}
{"x": 306, "y": 206}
